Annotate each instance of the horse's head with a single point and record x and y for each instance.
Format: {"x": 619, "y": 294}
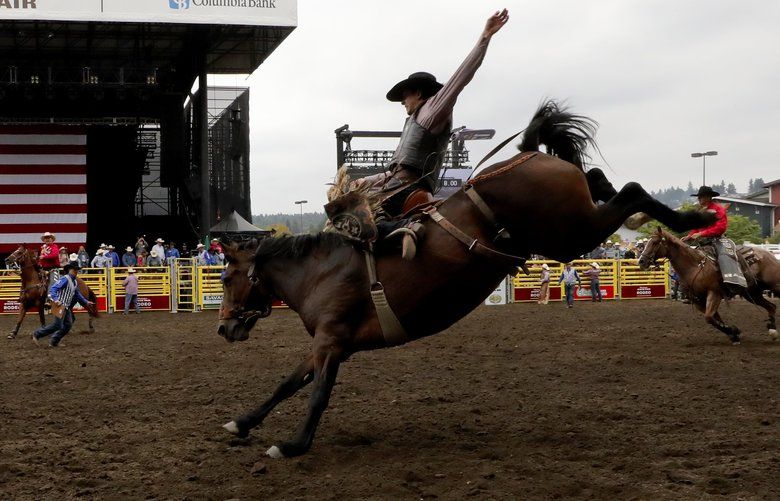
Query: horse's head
{"x": 656, "y": 247}
{"x": 18, "y": 258}
{"x": 246, "y": 297}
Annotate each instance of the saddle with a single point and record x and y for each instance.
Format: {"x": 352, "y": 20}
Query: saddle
{"x": 733, "y": 262}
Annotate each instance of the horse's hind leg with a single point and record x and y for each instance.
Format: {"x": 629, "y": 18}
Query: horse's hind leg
{"x": 289, "y": 387}
{"x": 757, "y": 297}
{"x": 326, "y": 368}
{"x": 19, "y": 320}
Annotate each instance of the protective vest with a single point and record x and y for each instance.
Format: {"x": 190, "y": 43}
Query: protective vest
{"x": 421, "y": 152}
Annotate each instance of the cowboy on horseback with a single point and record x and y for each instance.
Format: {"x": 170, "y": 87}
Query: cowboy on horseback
{"x": 712, "y": 236}
{"x": 412, "y": 175}
{"x": 49, "y": 258}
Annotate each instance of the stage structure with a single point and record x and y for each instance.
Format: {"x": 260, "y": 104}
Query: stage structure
{"x": 108, "y": 127}
{"x": 365, "y": 162}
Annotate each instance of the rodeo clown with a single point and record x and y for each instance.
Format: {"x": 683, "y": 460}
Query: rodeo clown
{"x": 63, "y": 295}
{"x": 725, "y": 250}
{"x": 413, "y": 171}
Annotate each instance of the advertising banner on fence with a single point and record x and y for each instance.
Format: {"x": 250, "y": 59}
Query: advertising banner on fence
{"x": 12, "y": 306}
{"x": 532, "y": 294}
{"x": 231, "y": 12}
{"x": 583, "y": 293}
{"x": 148, "y": 303}
{"x": 642, "y": 291}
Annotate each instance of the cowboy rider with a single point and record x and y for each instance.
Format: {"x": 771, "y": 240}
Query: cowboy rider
{"x": 49, "y": 256}
{"x": 713, "y": 236}
{"x": 418, "y": 158}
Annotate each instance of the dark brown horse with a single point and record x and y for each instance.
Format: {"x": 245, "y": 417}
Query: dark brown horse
{"x": 546, "y": 203}
{"x": 35, "y": 288}
{"x": 701, "y": 279}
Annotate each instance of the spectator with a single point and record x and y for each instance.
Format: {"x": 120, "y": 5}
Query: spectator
{"x": 595, "y": 283}
{"x": 113, "y": 256}
{"x": 140, "y": 245}
{"x": 215, "y": 245}
{"x": 544, "y": 291}
{"x": 611, "y": 252}
{"x": 185, "y": 251}
{"x": 128, "y": 258}
{"x": 204, "y": 257}
{"x": 598, "y": 252}
{"x": 142, "y": 257}
{"x": 629, "y": 254}
{"x": 217, "y": 258}
{"x": 99, "y": 261}
{"x": 64, "y": 295}
{"x": 83, "y": 257}
{"x": 569, "y": 277}
{"x": 676, "y": 293}
{"x": 171, "y": 252}
{"x": 160, "y": 249}
{"x": 131, "y": 291}
{"x": 64, "y": 256}
{"x": 154, "y": 259}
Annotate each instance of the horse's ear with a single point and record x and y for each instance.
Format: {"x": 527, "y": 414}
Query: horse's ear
{"x": 659, "y": 230}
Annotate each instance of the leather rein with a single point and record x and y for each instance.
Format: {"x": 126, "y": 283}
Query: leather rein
{"x": 41, "y": 281}
{"x": 472, "y": 243}
{"x": 242, "y": 314}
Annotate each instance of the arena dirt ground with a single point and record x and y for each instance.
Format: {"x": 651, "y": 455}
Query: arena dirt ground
{"x": 629, "y": 400}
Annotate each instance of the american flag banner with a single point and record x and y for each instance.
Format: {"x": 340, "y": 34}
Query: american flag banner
{"x": 43, "y": 185}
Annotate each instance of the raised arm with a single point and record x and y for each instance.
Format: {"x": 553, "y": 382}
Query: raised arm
{"x": 435, "y": 113}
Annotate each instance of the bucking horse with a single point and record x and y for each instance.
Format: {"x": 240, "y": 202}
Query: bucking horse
{"x": 534, "y": 202}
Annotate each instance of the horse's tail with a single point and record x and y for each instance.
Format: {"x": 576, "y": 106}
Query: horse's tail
{"x": 565, "y": 134}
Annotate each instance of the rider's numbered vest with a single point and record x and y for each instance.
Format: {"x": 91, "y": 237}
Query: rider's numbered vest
{"x": 421, "y": 152}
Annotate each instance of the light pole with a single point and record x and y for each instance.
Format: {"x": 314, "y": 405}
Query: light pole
{"x": 704, "y": 156}
{"x": 301, "y": 202}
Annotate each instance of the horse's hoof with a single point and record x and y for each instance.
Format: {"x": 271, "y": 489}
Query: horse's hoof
{"x": 735, "y": 342}
{"x": 232, "y": 427}
{"x": 773, "y": 334}
{"x": 11, "y": 336}
{"x": 274, "y": 452}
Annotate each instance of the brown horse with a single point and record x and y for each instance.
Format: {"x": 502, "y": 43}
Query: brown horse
{"x": 700, "y": 277}
{"x": 35, "y": 288}
{"x": 544, "y": 202}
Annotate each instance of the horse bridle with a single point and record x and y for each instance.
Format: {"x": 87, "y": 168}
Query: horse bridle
{"x": 242, "y": 314}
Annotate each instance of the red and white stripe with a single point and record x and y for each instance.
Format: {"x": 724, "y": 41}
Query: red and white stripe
{"x": 43, "y": 185}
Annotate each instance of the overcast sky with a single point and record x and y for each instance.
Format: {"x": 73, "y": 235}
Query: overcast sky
{"x": 663, "y": 79}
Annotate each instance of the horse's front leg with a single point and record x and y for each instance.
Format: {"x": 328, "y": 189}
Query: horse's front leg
{"x": 289, "y": 387}
{"x": 41, "y": 313}
{"x": 712, "y": 317}
{"x": 326, "y": 366}
{"x": 19, "y": 320}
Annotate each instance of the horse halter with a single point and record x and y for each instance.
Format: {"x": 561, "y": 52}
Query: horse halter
{"x": 240, "y": 313}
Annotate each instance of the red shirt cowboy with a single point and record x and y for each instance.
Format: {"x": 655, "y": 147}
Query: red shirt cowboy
{"x": 721, "y": 224}
{"x": 49, "y": 256}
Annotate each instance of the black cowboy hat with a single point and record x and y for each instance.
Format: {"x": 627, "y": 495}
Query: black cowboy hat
{"x": 422, "y": 81}
{"x": 70, "y": 266}
{"x": 705, "y": 191}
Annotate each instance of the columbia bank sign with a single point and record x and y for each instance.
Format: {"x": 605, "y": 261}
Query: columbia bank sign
{"x": 185, "y": 4}
{"x": 231, "y": 12}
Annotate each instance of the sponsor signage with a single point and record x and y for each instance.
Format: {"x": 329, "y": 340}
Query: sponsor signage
{"x": 12, "y": 306}
{"x": 532, "y": 294}
{"x": 235, "y": 12}
{"x": 500, "y": 294}
{"x": 147, "y": 303}
{"x": 583, "y": 293}
{"x": 642, "y": 291}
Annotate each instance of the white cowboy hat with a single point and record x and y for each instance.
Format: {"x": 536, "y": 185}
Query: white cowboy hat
{"x": 129, "y": 249}
{"x": 160, "y": 241}
{"x": 153, "y": 253}
{"x": 215, "y": 240}
{"x": 100, "y": 251}
{"x": 111, "y": 247}
{"x": 131, "y": 270}
{"x": 200, "y": 246}
{"x": 48, "y": 235}
{"x": 545, "y": 267}
{"x": 103, "y": 246}
{"x": 73, "y": 257}
{"x": 594, "y": 265}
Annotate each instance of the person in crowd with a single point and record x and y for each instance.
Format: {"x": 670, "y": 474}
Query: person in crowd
{"x": 83, "y": 257}
{"x": 171, "y": 252}
{"x": 63, "y": 256}
{"x": 99, "y": 261}
{"x": 131, "y": 291}
{"x": 128, "y": 258}
{"x": 675, "y": 294}
{"x": 185, "y": 250}
{"x": 113, "y": 256}
{"x": 142, "y": 258}
{"x": 216, "y": 245}
{"x": 204, "y": 258}
{"x": 569, "y": 277}
{"x": 73, "y": 258}
{"x": 598, "y": 252}
{"x": 544, "y": 280}
{"x": 140, "y": 245}
{"x": 611, "y": 251}
{"x": 159, "y": 248}
{"x": 595, "y": 284}
{"x": 154, "y": 259}
{"x": 216, "y": 257}
{"x": 64, "y": 295}
{"x": 629, "y": 254}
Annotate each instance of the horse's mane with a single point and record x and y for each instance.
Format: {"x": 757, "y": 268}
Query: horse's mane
{"x": 566, "y": 135}
{"x": 297, "y": 247}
